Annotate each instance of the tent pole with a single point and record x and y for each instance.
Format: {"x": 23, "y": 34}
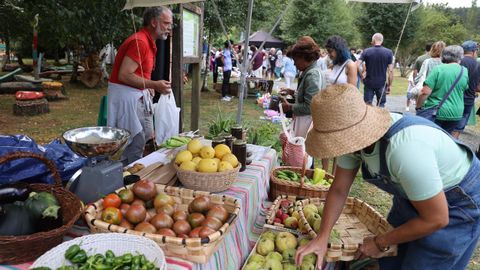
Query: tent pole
{"x": 243, "y": 76}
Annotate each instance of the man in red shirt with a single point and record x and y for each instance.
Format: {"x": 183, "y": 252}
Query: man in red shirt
{"x": 130, "y": 88}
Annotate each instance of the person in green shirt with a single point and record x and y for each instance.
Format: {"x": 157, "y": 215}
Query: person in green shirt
{"x": 433, "y": 180}
{"x": 436, "y": 88}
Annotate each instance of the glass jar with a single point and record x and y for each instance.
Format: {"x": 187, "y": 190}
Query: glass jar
{"x": 217, "y": 140}
{"x": 237, "y": 132}
{"x": 229, "y": 140}
{"x": 240, "y": 151}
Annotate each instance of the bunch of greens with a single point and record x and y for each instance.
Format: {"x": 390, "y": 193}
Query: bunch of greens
{"x": 266, "y": 135}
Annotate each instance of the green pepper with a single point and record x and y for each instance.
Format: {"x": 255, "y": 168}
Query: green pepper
{"x": 99, "y": 259}
{"x": 72, "y": 251}
{"x": 136, "y": 261}
{"x": 41, "y": 268}
{"x": 150, "y": 265}
{"x": 109, "y": 261}
{"x": 80, "y": 257}
{"x": 125, "y": 267}
{"x": 143, "y": 260}
{"x": 65, "y": 267}
{"x": 127, "y": 258}
{"x": 135, "y": 267}
{"x": 103, "y": 267}
{"x": 117, "y": 261}
{"x": 109, "y": 254}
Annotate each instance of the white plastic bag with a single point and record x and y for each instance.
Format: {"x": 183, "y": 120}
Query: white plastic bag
{"x": 166, "y": 118}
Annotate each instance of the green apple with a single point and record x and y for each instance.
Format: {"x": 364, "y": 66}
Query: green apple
{"x": 310, "y": 207}
{"x": 274, "y": 256}
{"x": 268, "y": 235}
{"x": 316, "y": 225}
{"x": 289, "y": 254}
{"x": 296, "y": 215}
{"x": 307, "y": 266}
{"x": 257, "y": 258}
{"x": 273, "y": 264}
{"x": 311, "y": 220}
{"x": 284, "y": 241}
{"x": 320, "y": 209}
{"x": 312, "y": 258}
{"x": 253, "y": 266}
{"x": 303, "y": 242}
{"x": 289, "y": 266}
{"x": 265, "y": 246}
{"x": 291, "y": 222}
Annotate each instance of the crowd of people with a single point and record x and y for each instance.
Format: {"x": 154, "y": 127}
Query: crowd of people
{"x": 432, "y": 177}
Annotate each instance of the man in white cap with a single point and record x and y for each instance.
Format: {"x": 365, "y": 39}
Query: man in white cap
{"x": 432, "y": 177}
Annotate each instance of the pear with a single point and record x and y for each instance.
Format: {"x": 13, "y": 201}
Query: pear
{"x": 257, "y": 258}
{"x": 289, "y": 254}
{"x": 265, "y": 246}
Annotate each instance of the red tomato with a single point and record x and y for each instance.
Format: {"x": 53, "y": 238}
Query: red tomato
{"x": 112, "y": 215}
{"x": 112, "y": 200}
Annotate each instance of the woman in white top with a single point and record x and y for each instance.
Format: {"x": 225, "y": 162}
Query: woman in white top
{"x": 344, "y": 69}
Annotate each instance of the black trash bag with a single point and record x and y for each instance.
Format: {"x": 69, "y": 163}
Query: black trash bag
{"x": 32, "y": 170}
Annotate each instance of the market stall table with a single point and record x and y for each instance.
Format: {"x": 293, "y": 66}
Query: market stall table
{"x": 251, "y": 189}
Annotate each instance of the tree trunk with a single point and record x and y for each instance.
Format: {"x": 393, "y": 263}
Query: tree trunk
{"x": 55, "y": 56}
{"x": 74, "y": 77}
{"x": 7, "y": 46}
{"x": 207, "y": 63}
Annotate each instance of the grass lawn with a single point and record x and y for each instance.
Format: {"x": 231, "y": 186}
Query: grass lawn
{"x": 81, "y": 109}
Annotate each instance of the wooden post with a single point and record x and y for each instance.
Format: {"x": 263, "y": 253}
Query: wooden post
{"x": 177, "y": 61}
{"x": 196, "y": 88}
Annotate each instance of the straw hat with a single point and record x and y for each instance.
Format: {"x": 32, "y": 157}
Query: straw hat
{"x": 343, "y": 123}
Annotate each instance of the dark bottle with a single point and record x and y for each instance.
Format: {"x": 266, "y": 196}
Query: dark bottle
{"x": 217, "y": 140}
{"x": 229, "y": 140}
{"x": 237, "y": 132}
{"x": 240, "y": 151}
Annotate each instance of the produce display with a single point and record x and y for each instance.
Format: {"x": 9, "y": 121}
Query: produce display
{"x": 23, "y": 212}
{"x": 205, "y": 158}
{"x": 318, "y": 177}
{"x": 276, "y": 251}
{"x": 286, "y": 215}
{"x": 79, "y": 259}
{"x": 143, "y": 209}
{"x": 175, "y": 141}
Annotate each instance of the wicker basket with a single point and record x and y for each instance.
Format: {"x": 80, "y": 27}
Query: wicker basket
{"x": 19, "y": 249}
{"x": 211, "y": 182}
{"x": 280, "y": 187}
{"x": 270, "y": 218}
{"x": 357, "y": 221}
{"x": 119, "y": 243}
{"x": 197, "y": 250}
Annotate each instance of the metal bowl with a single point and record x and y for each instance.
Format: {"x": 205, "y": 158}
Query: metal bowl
{"x": 97, "y": 141}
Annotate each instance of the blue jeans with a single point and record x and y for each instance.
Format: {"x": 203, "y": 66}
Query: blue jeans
{"x": 369, "y": 93}
{"x": 447, "y": 248}
{"x": 467, "y": 110}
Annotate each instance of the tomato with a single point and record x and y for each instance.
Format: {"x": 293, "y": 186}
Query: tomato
{"x": 112, "y": 200}
{"x": 112, "y": 215}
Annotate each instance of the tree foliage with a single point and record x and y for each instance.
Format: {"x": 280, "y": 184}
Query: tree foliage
{"x": 318, "y": 19}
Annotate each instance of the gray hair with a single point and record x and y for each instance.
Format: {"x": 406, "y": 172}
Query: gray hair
{"x": 153, "y": 13}
{"x": 452, "y": 54}
{"x": 378, "y": 37}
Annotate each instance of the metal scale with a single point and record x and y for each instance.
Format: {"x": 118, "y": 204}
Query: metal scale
{"x": 103, "y": 173}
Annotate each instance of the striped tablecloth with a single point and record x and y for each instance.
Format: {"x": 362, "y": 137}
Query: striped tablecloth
{"x": 251, "y": 189}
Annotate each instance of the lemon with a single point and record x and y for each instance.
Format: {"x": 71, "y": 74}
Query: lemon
{"x": 194, "y": 146}
{"x": 207, "y": 152}
{"x": 224, "y": 166}
{"x": 196, "y": 160}
{"x": 217, "y": 161}
{"x": 230, "y": 158}
{"x": 188, "y": 165}
{"x": 183, "y": 156}
{"x": 207, "y": 165}
{"x": 221, "y": 150}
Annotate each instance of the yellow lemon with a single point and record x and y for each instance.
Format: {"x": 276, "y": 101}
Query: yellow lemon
{"x": 217, "y": 161}
{"x": 183, "y": 156}
{"x": 188, "y": 165}
{"x": 194, "y": 146}
{"x": 196, "y": 159}
{"x": 207, "y": 152}
{"x": 207, "y": 165}
{"x": 221, "y": 150}
{"x": 224, "y": 166}
{"x": 230, "y": 158}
